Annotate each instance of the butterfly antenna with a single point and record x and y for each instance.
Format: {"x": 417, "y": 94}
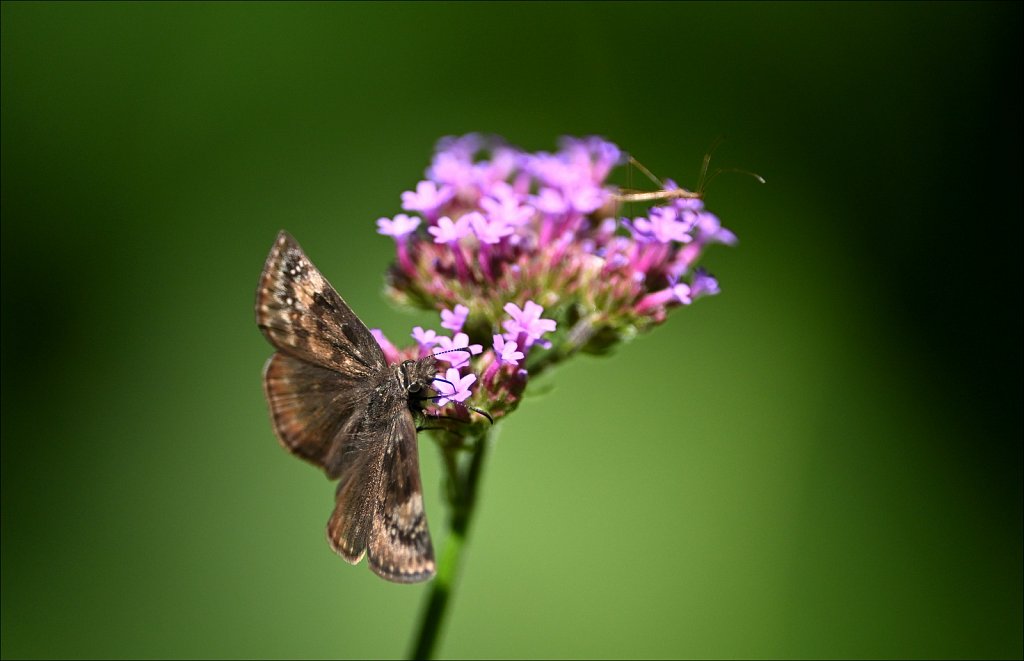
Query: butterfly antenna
{"x": 466, "y": 349}
{"x": 437, "y": 353}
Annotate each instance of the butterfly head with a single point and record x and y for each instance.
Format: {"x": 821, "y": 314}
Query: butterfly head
{"x": 415, "y": 375}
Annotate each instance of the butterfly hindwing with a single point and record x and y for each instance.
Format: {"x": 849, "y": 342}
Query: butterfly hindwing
{"x": 312, "y": 409}
{"x": 399, "y": 546}
{"x": 350, "y": 524}
{"x": 379, "y": 509}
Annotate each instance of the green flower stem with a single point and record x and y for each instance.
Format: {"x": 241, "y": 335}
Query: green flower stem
{"x": 463, "y": 483}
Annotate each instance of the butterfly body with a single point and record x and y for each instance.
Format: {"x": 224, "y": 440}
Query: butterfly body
{"x": 336, "y": 403}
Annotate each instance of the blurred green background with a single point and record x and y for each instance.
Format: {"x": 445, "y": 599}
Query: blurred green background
{"x": 822, "y": 461}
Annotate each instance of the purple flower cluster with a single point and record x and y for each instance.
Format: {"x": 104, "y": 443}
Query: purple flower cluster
{"x": 495, "y": 236}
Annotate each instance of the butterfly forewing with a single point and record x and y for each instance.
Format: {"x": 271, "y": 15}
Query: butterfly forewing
{"x": 335, "y": 402}
{"x": 302, "y": 315}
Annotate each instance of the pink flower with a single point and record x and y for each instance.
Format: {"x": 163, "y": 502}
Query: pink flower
{"x": 453, "y": 320}
{"x": 448, "y": 231}
{"x": 424, "y": 338}
{"x": 454, "y": 387}
{"x": 527, "y": 321}
{"x": 427, "y": 198}
{"x": 506, "y": 351}
{"x": 447, "y": 349}
{"x": 401, "y": 226}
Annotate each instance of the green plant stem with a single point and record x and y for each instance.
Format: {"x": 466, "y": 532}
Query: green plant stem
{"x": 462, "y": 492}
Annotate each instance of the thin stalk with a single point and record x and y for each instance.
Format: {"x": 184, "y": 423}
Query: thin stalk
{"x": 462, "y": 496}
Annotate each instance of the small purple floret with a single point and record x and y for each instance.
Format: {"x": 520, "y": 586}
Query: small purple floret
{"x": 664, "y": 225}
{"x": 527, "y": 321}
{"x": 454, "y": 388}
{"x": 703, "y": 284}
{"x": 427, "y": 198}
{"x": 460, "y": 341}
{"x": 506, "y": 352}
{"x": 506, "y": 210}
{"x": 401, "y": 226}
{"x": 424, "y": 338}
{"x": 488, "y": 231}
{"x": 448, "y": 231}
{"x": 453, "y": 320}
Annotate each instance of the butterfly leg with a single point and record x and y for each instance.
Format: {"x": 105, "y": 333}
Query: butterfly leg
{"x": 441, "y": 395}
{"x": 437, "y": 416}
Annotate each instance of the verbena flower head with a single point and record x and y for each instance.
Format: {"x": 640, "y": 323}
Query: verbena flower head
{"x": 525, "y": 253}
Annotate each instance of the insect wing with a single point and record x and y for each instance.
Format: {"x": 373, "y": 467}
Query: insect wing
{"x": 302, "y": 315}
{"x": 313, "y": 409}
{"x": 399, "y": 547}
{"x": 335, "y": 403}
{"x": 379, "y": 509}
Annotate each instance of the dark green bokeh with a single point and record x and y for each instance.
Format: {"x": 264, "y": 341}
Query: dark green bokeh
{"x": 824, "y": 460}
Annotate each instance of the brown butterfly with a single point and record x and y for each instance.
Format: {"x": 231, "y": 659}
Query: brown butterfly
{"x": 335, "y": 402}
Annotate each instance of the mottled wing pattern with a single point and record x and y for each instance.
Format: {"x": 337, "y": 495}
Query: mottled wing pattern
{"x": 399, "y": 547}
{"x": 335, "y": 402}
{"x": 312, "y": 408}
{"x": 349, "y": 526}
{"x": 379, "y": 510}
{"x": 303, "y": 316}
